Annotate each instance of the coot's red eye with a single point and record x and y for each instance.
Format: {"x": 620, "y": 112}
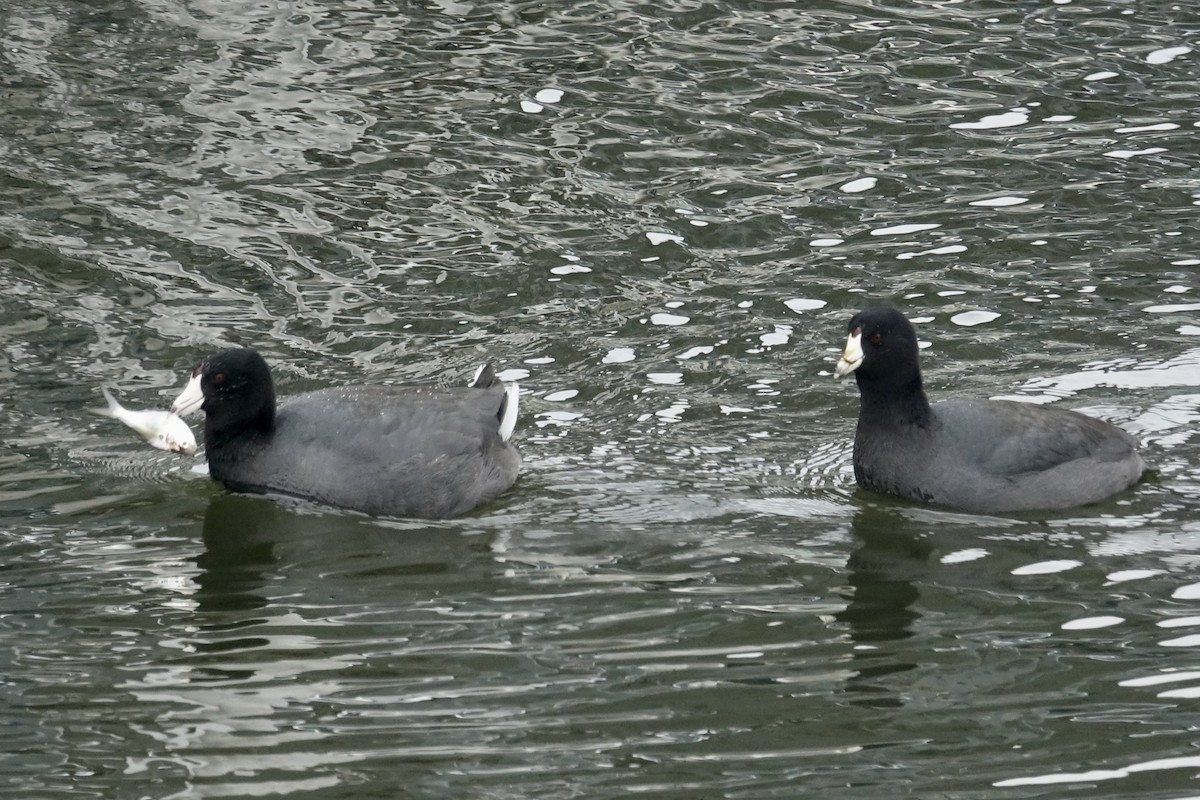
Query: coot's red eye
{"x": 876, "y": 338}
{"x": 219, "y": 378}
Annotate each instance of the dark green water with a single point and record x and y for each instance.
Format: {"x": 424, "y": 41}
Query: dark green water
{"x": 659, "y": 218}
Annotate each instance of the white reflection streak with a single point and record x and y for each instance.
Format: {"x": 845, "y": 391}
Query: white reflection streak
{"x": 1165, "y": 677}
{"x": 1006, "y": 120}
{"x": 1183, "y": 762}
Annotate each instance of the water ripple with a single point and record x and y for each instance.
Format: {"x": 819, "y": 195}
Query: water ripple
{"x": 659, "y": 220}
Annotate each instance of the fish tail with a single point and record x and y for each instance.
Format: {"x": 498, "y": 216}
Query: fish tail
{"x": 113, "y": 405}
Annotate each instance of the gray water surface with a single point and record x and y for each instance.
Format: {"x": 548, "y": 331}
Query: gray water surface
{"x": 658, "y": 218}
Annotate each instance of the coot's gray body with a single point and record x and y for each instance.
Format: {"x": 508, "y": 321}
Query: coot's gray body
{"x": 383, "y": 450}
{"x": 982, "y": 456}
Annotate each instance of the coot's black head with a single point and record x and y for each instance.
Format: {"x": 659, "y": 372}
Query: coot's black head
{"x": 881, "y": 351}
{"x": 235, "y": 391}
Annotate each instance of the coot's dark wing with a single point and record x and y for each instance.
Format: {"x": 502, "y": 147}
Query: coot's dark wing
{"x": 377, "y": 421}
{"x": 1010, "y": 438}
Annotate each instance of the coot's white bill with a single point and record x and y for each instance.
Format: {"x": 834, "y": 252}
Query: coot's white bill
{"x": 162, "y": 429}
{"x": 191, "y": 398}
{"x": 852, "y": 356}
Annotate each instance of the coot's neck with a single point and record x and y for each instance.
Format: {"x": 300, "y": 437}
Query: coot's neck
{"x": 888, "y": 403}
{"x": 222, "y": 433}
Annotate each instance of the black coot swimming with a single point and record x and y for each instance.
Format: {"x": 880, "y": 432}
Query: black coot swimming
{"x": 982, "y": 456}
{"x": 383, "y": 450}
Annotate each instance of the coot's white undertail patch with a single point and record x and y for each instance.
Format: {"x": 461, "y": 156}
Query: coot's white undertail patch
{"x": 162, "y": 429}
{"x": 385, "y": 450}
{"x": 981, "y": 456}
{"x": 485, "y": 377}
{"x": 508, "y": 419}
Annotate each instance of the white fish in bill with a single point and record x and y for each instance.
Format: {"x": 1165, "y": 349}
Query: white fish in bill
{"x": 162, "y": 429}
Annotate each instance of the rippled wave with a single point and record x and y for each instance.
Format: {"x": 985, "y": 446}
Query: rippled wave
{"x": 657, "y": 218}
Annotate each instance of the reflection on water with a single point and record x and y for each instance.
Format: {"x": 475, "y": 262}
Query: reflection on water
{"x": 239, "y": 546}
{"x": 658, "y": 219}
{"x": 885, "y": 572}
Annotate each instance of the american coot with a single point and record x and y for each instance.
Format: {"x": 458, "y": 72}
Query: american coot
{"x": 384, "y": 450}
{"x": 983, "y": 456}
